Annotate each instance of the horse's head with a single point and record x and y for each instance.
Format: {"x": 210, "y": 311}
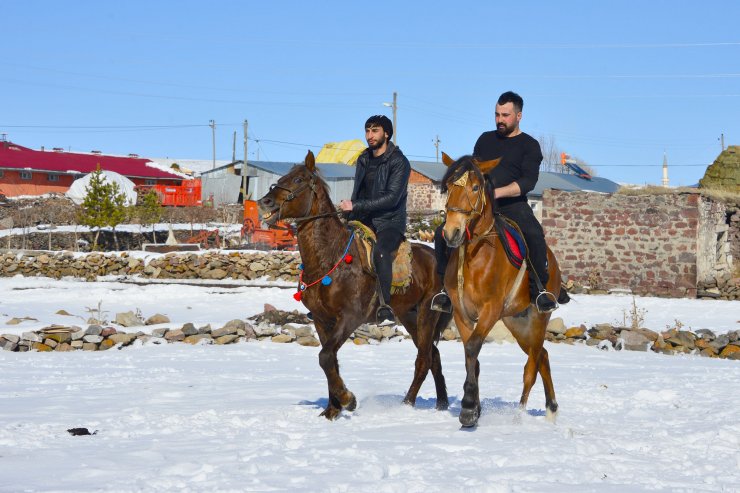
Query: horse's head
{"x": 468, "y": 192}
{"x": 293, "y": 195}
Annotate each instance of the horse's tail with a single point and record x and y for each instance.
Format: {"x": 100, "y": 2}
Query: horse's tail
{"x": 442, "y": 323}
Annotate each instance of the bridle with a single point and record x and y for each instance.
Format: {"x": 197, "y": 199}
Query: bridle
{"x": 293, "y": 194}
{"x": 476, "y": 209}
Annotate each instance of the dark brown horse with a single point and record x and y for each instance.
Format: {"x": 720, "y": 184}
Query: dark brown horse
{"x": 485, "y": 287}
{"x": 349, "y": 300}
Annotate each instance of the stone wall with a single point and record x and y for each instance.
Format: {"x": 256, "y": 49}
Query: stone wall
{"x": 649, "y": 244}
{"x": 208, "y": 265}
{"x": 425, "y": 197}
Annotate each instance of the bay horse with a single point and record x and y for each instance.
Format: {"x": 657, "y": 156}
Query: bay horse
{"x": 485, "y": 287}
{"x": 348, "y": 299}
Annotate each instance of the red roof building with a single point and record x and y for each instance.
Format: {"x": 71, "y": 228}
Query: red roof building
{"x": 25, "y": 171}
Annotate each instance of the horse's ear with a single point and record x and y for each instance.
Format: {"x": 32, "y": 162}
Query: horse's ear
{"x": 486, "y": 166}
{"x": 447, "y": 159}
{"x": 310, "y": 162}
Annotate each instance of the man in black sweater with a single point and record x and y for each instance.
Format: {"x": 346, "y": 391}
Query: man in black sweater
{"x": 514, "y": 177}
{"x": 379, "y": 201}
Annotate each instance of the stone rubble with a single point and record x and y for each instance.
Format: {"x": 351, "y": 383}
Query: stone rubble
{"x": 293, "y": 327}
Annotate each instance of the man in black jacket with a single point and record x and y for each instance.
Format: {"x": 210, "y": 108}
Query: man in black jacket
{"x": 379, "y": 201}
{"x": 514, "y": 177}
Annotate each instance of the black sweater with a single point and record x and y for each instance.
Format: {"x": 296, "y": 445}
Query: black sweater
{"x": 520, "y": 162}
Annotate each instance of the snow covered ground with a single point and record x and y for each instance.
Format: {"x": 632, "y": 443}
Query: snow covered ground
{"x": 244, "y": 417}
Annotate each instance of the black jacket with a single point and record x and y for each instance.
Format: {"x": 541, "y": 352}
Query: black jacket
{"x": 387, "y": 208}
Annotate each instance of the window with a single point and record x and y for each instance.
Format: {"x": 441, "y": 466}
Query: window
{"x": 150, "y": 182}
{"x": 52, "y": 177}
{"x": 26, "y": 175}
{"x": 1, "y": 173}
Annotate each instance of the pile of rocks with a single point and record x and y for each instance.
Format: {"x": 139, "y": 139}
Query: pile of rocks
{"x": 723, "y": 286}
{"x": 672, "y": 341}
{"x": 208, "y": 265}
{"x": 276, "y": 325}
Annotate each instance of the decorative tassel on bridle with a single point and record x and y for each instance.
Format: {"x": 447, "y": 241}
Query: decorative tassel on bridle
{"x": 326, "y": 279}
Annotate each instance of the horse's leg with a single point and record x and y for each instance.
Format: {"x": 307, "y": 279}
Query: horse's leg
{"x": 440, "y": 385}
{"x": 529, "y": 332}
{"x": 470, "y": 411}
{"x": 550, "y": 402}
{"x": 339, "y": 396}
{"x": 422, "y": 341}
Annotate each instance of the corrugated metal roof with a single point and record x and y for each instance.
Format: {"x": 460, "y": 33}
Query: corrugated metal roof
{"x": 570, "y": 183}
{"x": 328, "y": 170}
{"x": 433, "y": 171}
{"x": 13, "y": 156}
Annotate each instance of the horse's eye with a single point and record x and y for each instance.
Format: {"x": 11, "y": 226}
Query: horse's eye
{"x": 297, "y": 179}
{"x": 475, "y": 188}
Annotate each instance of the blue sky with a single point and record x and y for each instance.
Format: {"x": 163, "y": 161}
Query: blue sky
{"x": 616, "y": 84}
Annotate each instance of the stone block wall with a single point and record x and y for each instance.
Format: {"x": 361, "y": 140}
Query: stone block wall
{"x": 648, "y": 243}
{"x": 425, "y": 197}
{"x": 212, "y": 264}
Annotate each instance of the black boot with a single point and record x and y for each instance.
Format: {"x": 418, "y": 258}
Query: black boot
{"x": 385, "y": 315}
{"x": 545, "y": 302}
{"x": 441, "y": 302}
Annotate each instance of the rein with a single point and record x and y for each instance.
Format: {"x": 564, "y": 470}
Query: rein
{"x": 292, "y": 195}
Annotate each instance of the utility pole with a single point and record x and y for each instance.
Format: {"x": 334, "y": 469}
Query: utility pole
{"x": 394, "y": 106}
{"x": 395, "y": 125}
{"x": 245, "y": 184}
{"x": 722, "y": 140}
{"x": 436, "y": 145}
{"x": 233, "y": 148}
{"x": 212, "y": 124}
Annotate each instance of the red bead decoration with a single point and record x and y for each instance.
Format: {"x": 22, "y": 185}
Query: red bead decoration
{"x": 348, "y": 258}
{"x": 297, "y": 296}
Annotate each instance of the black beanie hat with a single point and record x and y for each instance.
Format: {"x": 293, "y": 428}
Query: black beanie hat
{"x": 382, "y": 121}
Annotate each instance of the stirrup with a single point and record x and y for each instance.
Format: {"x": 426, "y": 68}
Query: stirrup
{"x": 441, "y": 302}
{"x": 546, "y": 302}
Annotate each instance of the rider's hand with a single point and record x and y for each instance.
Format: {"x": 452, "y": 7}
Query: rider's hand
{"x": 346, "y": 205}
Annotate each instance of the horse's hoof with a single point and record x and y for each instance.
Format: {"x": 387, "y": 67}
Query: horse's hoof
{"x": 352, "y": 405}
{"x": 443, "y": 405}
{"x": 469, "y": 418}
{"x": 330, "y": 413}
{"x": 409, "y": 402}
{"x": 551, "y": 416}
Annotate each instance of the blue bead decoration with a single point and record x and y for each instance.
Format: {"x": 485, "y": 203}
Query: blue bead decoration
{"x": 300, "y": 267}
{"x": 326, "y": 280}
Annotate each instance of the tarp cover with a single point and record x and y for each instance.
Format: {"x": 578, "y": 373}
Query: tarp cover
{"x": 77, "y": 191}
{"x": 346, "y": 152}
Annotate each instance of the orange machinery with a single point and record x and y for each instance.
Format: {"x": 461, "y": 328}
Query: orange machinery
{"x": 265, "y": 238}
{"x": 187, "y": 194}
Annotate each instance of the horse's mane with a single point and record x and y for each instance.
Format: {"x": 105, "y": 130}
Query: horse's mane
{"x": 459, "y": 168}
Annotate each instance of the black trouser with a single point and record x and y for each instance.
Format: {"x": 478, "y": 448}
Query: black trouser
{"x": 522, "y": 214}
{"x": 388, "y": 241}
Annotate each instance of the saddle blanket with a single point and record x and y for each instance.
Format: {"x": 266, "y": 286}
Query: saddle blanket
{"x": 512, "y": 240}
{"x": 402, "y": 260}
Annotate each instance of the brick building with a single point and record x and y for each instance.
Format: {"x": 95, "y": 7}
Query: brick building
{"x": 25, "y": 171}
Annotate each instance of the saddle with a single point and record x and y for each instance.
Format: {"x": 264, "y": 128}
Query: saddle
{"x": 402, "y": 257}
{"x": 511, "y": 239}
